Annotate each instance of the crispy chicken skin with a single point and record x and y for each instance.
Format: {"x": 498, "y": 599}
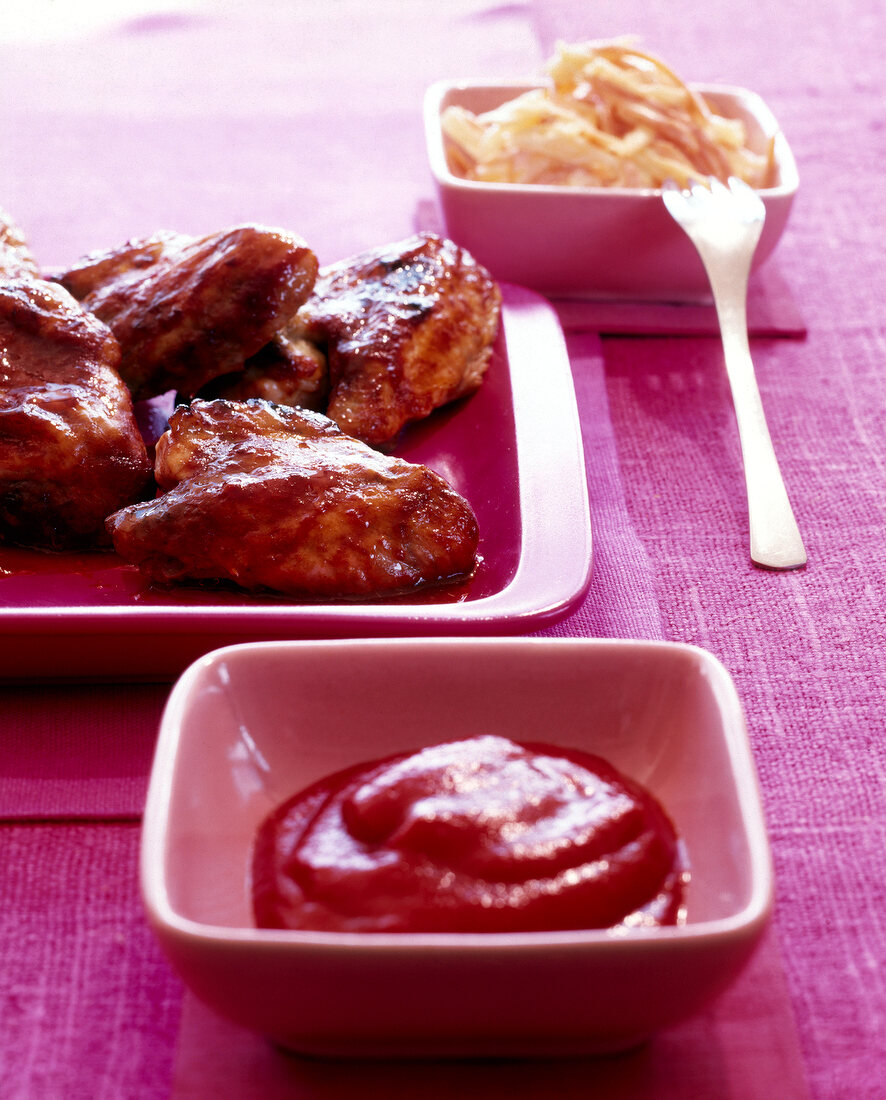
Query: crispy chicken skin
{"x": 278, "y": 498}
{"x": 186, "y": 310}
{"x": 70, "y": 450}
{"x": 407, "y": 328}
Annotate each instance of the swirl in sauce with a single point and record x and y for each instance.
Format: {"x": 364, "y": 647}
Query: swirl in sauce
{"x": 478, "y": 835}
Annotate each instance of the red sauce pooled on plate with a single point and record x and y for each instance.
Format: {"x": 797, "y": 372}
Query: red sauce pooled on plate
{"x": 480, "y": 835}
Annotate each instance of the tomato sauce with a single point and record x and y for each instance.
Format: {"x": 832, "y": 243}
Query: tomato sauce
{"x": 478, "y": 835}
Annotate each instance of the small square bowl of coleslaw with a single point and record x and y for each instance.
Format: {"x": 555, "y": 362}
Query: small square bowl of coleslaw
{"x": 556, "y": 184}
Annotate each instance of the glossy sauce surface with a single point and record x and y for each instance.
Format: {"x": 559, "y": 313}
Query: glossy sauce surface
{"x": 70, "y": 449}
{"x": 479, "y": 835}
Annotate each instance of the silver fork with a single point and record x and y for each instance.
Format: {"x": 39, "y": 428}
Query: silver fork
{"x": 724, "y": 224}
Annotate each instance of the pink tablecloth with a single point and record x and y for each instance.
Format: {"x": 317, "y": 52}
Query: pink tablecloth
{"x": 120, "y": 119}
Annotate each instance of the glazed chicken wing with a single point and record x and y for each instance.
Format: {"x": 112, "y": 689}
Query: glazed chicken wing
{"x": 70, "y": 450}
{"x": 290, "y": 370}
{"x": 186, "y": 310}
{"x": 278, "y": 498}
{"x": 407, "y": 328}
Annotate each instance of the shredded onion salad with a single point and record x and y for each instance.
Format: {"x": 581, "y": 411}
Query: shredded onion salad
{"x": 611, "y": 115}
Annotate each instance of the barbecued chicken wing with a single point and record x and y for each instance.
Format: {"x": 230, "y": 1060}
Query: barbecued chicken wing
{"x": 278, "y": 498}
{"x": 290, "y": 370}
{"x": 70, "y": 450}
{"x": 186, "y": 310}
{"x": 407, "y": 328}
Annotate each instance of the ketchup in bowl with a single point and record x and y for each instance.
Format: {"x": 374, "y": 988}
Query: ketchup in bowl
{"x": 477, "y": 835}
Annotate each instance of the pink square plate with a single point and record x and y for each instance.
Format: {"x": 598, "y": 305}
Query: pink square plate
{"x": 245, "y": 727}
{"x": 513, "y": 449}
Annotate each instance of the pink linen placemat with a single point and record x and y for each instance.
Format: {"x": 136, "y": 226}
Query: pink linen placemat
{"x": 89, "y": 1006}
{"x": 620, "y": 602}
{"x": 772, "y": 311}
{"x": 79, "y": 751}
{"x": 743, "y": 1047}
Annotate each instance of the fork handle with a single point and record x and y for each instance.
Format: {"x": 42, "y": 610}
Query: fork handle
{"x": 775, "y": 537}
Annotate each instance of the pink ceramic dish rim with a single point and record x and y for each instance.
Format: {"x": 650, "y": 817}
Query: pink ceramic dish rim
{"x": 552, "y": 574}
{"x": 747, "y": 920}
{"x": 753, "y": 104}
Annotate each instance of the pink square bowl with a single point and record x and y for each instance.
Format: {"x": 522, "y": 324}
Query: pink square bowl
{"x": 249, "y": 725}
{"x": 600, "y": 242}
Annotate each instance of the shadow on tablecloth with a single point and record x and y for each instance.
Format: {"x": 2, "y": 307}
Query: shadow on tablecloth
{"x": 744, "y": 1046}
